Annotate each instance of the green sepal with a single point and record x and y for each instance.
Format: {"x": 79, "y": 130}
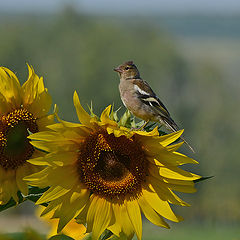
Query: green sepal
{"x": 125, "y": 120}
{"x": 92, "y": 114}
{"x": 202, "y": 179}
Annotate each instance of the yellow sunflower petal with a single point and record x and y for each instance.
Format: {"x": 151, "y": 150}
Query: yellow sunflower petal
{"x": 46, "y": 136}
{"x": 40, "y": 161}
{"x": 71, "y": 208}
{"x": 102, "y": 218}
{"x": 10, "y": 87}
{"x": 120, "y": 132}
{"x": 39, "y": 179}
{"x": 11, "y": 187}
{"x": 71, "y": 128}
{"x": 174, "y": 147}
{"x": 115, "y": 229}
{"x": 35, "y": 98}
{"x": 91, "y": 213}
{"x": 53, "y": 159}
{"x": 177, "y": 173}
{"x": 41, "y": 87}
{"x": 4, "y": 106}
{"x": 5, "y": 194}
{"x": 75, "y": 230}
{"x": 30, "y": 87}
{"x": 173, "y": 158}
{"x": 52, "y": 207}
{"x": 170, "y": 138}
{"x": 55, "y": 177}
{"x": 105, "y": 117}
{"x": 186, "y": 187}
{"x": 178, "y": 185}
{"x": 51, "y": 194}
{"x": 41, "y": 105}
{"x": 68, "y": 137}
{"x": 165, "y": 193}
{"x": 43, "y": 122}
{"x": 83, "y": 116}
{"x": 151, "y": 214}
{"x": 122, "y": 218}
{"x": 171, "y": 172}
{"x": 53, "y": 146}
{"x": 160, "y": 206}
{"x": 152, "y": 133}
{"x": 82, "y": 216}
{"x": 20, "y": 174}
{"x": 134, "y": 214}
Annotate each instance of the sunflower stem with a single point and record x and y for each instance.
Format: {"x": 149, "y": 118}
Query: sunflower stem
{"x": 107, "y": 235}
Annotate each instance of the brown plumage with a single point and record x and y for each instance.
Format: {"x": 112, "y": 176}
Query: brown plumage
{"x": 140, "y": 99}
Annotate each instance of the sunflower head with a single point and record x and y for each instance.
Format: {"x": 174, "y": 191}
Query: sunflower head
{"x": 111, "y": 173}
{"x": 23, "y": 110}
{"x": 112, "y": 167}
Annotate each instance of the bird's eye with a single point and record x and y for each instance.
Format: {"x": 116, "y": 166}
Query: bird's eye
{"x": 126, "y": 68}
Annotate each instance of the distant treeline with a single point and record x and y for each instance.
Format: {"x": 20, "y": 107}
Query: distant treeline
{"x": 225, "y": 26}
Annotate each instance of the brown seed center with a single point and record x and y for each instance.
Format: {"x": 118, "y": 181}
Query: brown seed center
{"x": 110, "y": 166}
{"x": 15, "y": 148}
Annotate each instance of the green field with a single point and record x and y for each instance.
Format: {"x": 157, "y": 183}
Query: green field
{"x": 188, "y": 231}
{"x": 180, "y": 231}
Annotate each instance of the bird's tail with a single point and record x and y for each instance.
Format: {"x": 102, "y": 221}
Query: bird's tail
{"x": 189, "y": 146}
{"x": 172, "y": 126}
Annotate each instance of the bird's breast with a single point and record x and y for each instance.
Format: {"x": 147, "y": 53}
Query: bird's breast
{"x": 135, "y": 105}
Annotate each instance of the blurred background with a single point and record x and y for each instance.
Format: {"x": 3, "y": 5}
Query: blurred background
{"x": 189, "y": 51}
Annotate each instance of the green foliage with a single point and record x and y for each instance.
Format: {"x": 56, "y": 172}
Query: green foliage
{"x": 34, "y": 193}
{"x": 60, "y": 237}
{"x": 27, "y": 234}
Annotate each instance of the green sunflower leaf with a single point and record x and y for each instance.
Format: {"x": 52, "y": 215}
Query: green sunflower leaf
{"x": 12, "y": 203}
{"x": 60, "y": 237}
{"x": 34, "y": 193}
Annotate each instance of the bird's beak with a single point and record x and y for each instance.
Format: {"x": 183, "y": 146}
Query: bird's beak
{"x": 118, "y": 69}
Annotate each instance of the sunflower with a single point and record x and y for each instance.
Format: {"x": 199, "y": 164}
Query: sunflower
{"x": 23, "y": 109}
{"x": 72, "y": 229}
{"x": 105, "y": 175}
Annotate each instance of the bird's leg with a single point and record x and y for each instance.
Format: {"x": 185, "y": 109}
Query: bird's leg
{"x": 143, "y": 126}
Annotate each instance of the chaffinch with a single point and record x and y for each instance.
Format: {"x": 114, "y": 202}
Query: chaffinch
{"x": 139, "y": 98}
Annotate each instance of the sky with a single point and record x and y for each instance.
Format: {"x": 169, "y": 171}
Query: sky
{"x": 125, "y": 6}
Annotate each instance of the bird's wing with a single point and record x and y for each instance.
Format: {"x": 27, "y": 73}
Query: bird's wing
{"x": 148, "y": 97}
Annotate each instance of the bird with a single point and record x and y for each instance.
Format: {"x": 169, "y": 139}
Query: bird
{"x": 139, "y": 98}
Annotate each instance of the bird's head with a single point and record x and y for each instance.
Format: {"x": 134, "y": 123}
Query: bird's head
{"x": 127, "y": 70}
